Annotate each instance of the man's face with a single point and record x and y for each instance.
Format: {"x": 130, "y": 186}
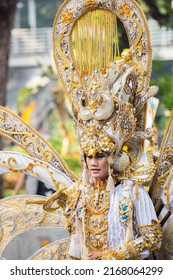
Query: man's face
{"x": 98, "y": 166}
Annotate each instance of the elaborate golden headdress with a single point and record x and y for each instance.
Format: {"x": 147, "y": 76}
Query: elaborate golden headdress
{"x": 107, "y": 92}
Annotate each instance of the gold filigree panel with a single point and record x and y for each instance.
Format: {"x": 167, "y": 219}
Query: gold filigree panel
{"x": 17, "y": 216}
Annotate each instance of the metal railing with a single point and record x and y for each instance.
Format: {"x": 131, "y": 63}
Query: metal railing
{"x": 160, "y": 36}
{"x": 39, "y": 41}
{"x": 31, "y": 41}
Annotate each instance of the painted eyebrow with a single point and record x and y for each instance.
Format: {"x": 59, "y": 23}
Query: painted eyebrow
{"x": 97, "y": 155}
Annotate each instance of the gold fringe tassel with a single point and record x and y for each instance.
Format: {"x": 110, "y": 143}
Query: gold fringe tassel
{"x": 95, "y": 40}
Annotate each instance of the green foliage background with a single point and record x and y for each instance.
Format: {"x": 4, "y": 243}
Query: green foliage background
{"x": 162, "y": 75}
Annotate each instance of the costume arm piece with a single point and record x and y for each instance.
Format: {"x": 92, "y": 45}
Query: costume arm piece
{"x": 67, "y": 200}
{"x": 59, "y": 198}
{"x": 149, "y": 239}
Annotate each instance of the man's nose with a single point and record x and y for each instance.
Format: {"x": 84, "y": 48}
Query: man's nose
{"x": 93, "y": 161}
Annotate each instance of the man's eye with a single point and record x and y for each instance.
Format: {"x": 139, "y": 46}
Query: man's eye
{"x": 90, "y": 157}
{"x": 100, "y": 156}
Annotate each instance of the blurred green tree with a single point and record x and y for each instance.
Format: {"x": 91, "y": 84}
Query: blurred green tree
{"x": 160, "y": 10}
{"x": 162, "y": 76}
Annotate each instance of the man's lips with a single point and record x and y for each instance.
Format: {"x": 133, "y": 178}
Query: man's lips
{"x": 95, "y": 169}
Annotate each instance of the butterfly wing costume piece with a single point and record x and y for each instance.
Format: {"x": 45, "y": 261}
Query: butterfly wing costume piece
{"x": 108, "y": 92}
{"x": 21, "y": 215}
{"x": 16, "y": 130}
{"x": 162, "y": 190}
{"x": 24, "y": 214}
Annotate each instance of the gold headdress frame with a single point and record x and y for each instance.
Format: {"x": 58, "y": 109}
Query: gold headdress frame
{"x": 77, "y": 88}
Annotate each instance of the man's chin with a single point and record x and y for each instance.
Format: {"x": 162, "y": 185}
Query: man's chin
{"x": 97, "y": 176}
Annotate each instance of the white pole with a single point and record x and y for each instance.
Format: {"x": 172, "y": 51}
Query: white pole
{"x": 32, "y": 18}
{"x": 32, "y": 22}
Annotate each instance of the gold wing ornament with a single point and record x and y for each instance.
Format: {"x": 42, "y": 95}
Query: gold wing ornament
{"x": 57, "y": 250}
{"x": 24, "y": 225}
{"x": 16, "y": 162}
{"x": 162, "y": 190}
{"x": 17, "y": 131}
{"x": 23, "y": 217}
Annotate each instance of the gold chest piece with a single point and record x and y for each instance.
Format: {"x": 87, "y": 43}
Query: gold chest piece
{"x": 96, "y": 223}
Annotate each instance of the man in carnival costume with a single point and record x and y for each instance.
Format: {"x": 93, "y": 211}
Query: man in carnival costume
{"x": 108, "y": 211}
{"x": 108, "y": 215}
